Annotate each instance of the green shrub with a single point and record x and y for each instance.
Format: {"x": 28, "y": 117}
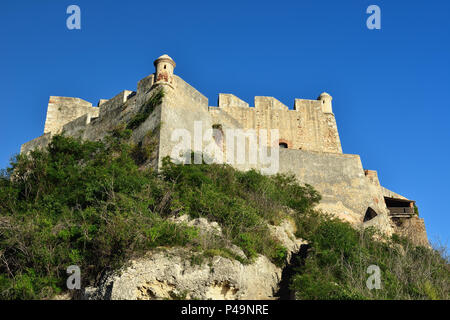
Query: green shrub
{"x": 337, "y": 262}
{"x": 89, "y": 204}
{"x": 78, "y": 202}
{"x": 241, "y": 202}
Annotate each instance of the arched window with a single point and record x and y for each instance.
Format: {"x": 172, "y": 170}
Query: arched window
{"x": 283, "y": 145}
{"x": 370, "y": 214}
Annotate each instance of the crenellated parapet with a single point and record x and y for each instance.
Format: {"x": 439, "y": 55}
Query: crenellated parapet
{"x": 227, "y": 100}
{"x": 62, "y": 110}
{"x": 309, "y": 125}
{"x": 269, "y": 104}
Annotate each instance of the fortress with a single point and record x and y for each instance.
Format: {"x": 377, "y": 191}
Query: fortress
{"x": 308, "y": 143}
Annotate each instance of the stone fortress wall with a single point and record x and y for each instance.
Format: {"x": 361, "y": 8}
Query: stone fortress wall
{"x": 309, "y": 126}
{"x": 62, "y": 110}
{"x": 309, "y": 131}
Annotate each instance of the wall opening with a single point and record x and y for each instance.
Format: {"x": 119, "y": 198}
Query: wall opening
{"x": 283, "y": 145}
{"x": 398, "y": 203}
{"x": 370, "y": 214}
{"x": 399, "y": 206}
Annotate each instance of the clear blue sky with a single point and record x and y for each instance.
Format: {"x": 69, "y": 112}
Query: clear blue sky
{"x": 391, "y": 87}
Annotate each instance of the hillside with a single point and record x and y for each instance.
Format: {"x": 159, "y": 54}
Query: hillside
{"x": 90, "y": 204}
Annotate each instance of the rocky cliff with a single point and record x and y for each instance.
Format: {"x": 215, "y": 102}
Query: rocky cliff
{"x": 170, "y": 273}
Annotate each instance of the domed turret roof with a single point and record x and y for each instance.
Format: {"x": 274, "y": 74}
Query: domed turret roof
{"x": 166, "y": 58}
{"x": 324, "y": 95}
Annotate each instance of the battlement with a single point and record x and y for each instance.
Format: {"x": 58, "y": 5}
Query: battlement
{"x": 269, "y": 103}
{"x": 117, "y": 101}
{"x": 62, "y": 110}
{"x": 227, "y": 100}
{"x": 310, "y": 125}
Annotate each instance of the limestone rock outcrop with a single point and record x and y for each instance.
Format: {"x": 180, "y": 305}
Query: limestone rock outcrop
{"x": 168, "y": 273}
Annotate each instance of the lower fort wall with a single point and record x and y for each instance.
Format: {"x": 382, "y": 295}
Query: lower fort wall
{"x": 346, "y": 192}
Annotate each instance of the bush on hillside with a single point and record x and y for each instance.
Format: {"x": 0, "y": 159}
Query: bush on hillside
{"x": 339, "y": 256}
{"x": 89, "y": 204}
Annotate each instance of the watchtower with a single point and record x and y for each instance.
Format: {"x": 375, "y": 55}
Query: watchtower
{"x": 164, "y": 70}
{"x": 325, "y": 100}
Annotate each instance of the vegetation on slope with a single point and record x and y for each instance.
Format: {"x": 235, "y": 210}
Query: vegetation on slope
{"x": 89, "y": 204}
{"x": 336, "y": 266}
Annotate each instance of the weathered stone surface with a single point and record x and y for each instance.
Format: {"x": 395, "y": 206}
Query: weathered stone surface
{"x": 285, "y": 233}
{"x": 62, "y": 110}
{"x": 39, "y": 142}
{"x": 306, "y": 127}
{"x": 227, "y": 100}
{"x": 412, "y": 228}
{"x": 165, "y": 274}
{"x": 168, "y": 273}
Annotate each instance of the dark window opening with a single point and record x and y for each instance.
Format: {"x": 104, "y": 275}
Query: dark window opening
{"x": 164, "y": 66}
{"x": 399, "y": 206}
{"x": 283, "y": 145}
{"x": 370, "y": 214}
{"x": 398, "y": 203}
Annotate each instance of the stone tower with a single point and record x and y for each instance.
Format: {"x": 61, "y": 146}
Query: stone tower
{"x": 325, "y": 100}
{"x": 164, "y": 66}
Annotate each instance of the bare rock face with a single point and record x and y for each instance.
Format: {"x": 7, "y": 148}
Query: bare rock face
{"x": 169, "y": 274}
